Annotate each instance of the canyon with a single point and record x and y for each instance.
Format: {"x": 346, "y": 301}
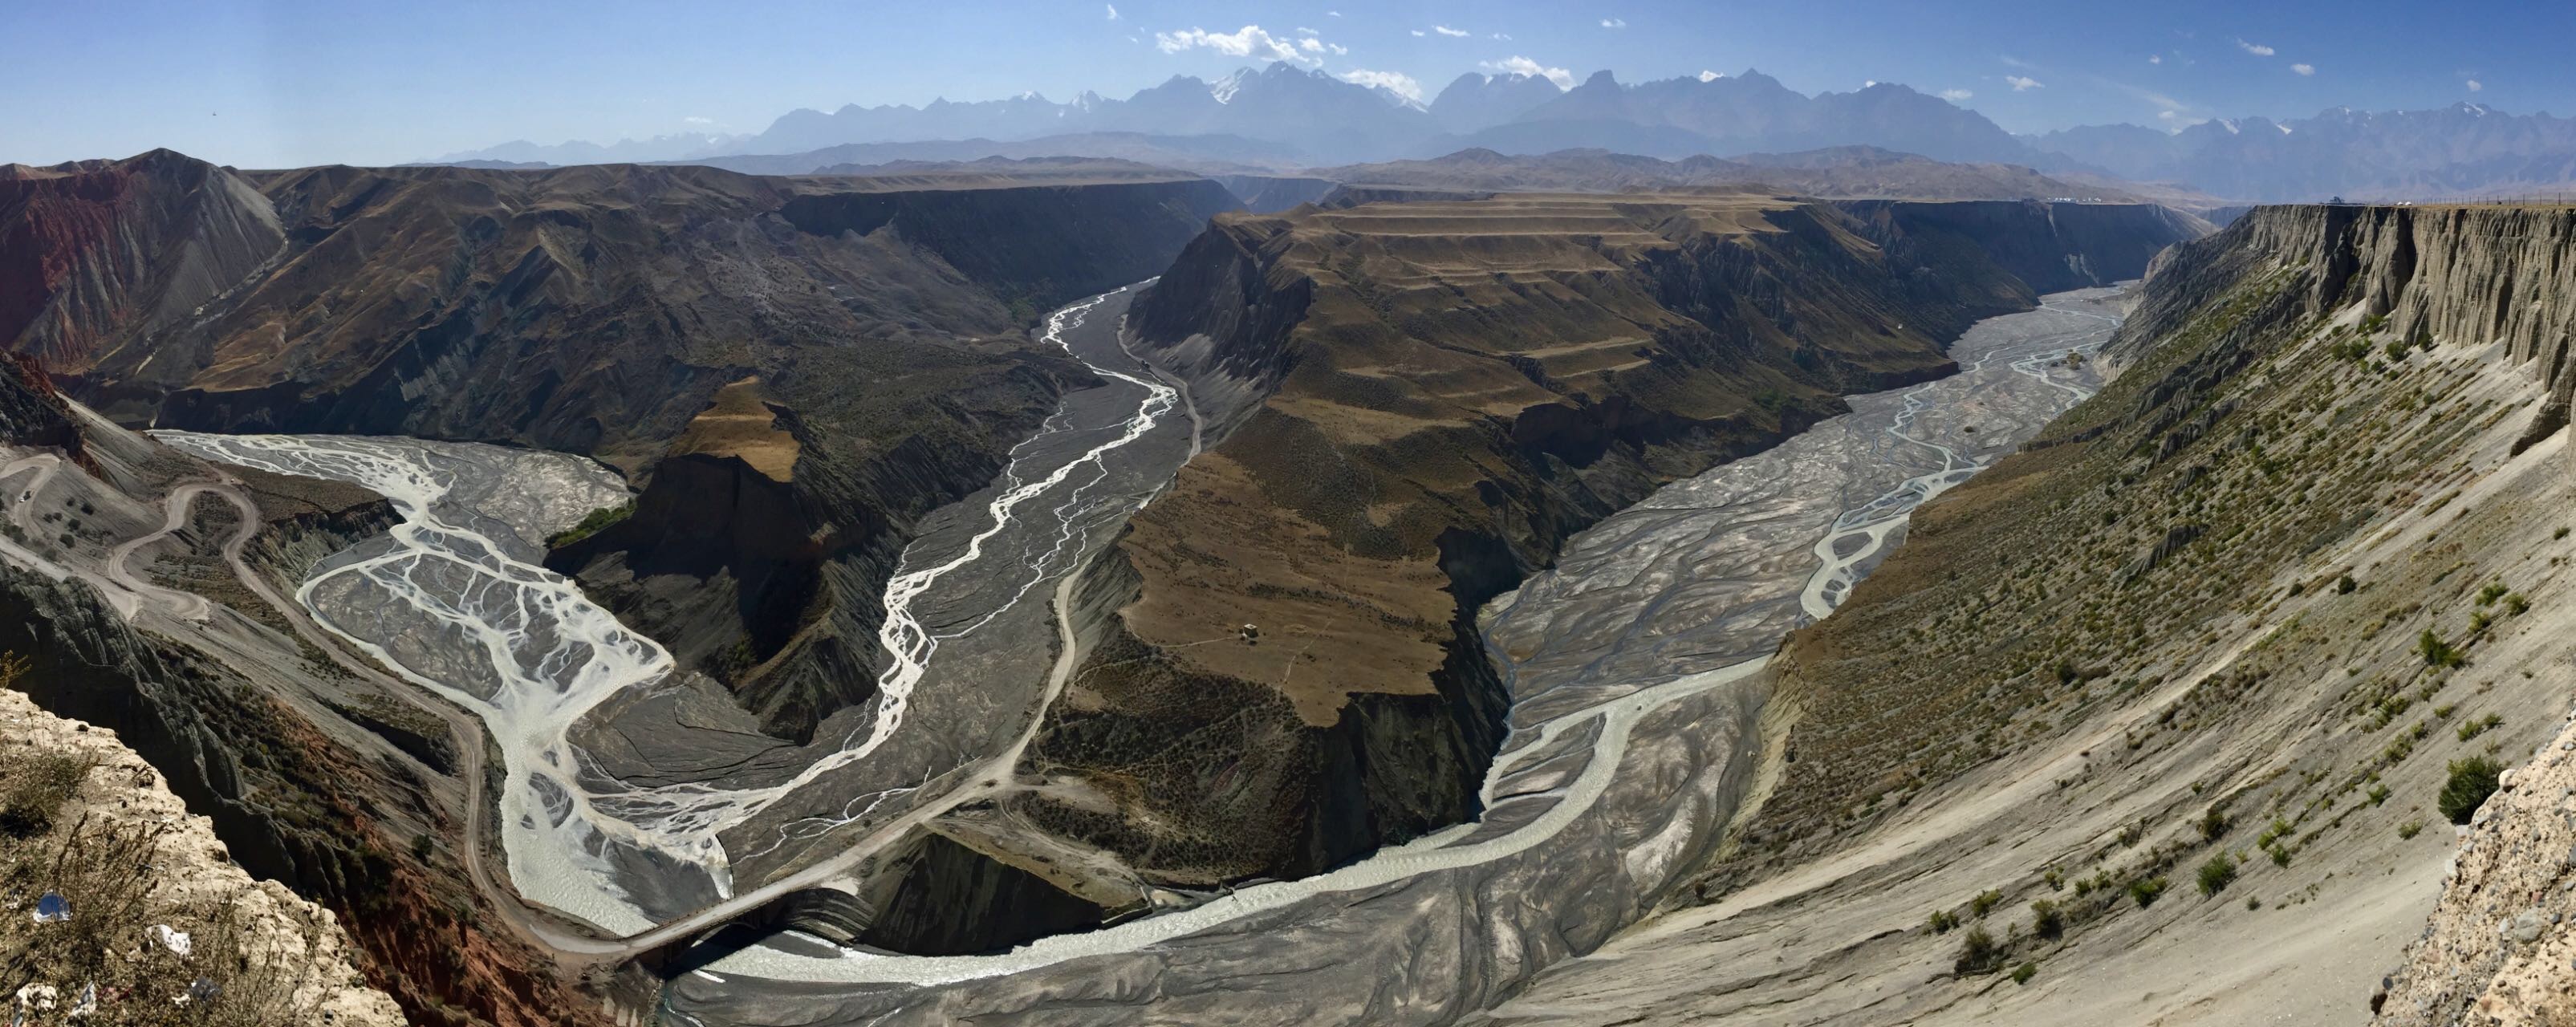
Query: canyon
{"x": 1051, "y": 591}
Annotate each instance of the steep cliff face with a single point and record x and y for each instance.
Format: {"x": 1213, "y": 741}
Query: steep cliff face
{"x": 1412, "y": 406}
{"x": 2475, "y": 274}
{"x": 1064, "y": 242}
{"x": 2050, "y": 247}
{"x": 2173, "y": 699}
{"x": 98, "y": 251}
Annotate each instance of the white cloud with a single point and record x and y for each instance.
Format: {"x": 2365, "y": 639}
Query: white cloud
{"x": 2257, "y": 49}
{"x": 1304, "y": 31}
{"x": 1113, "y": 11}
{"x": 1956, "y": 95}
{"x": 1248, "y": 41}
{"x": 1503, "y": 36}
{"x": 1447, "y": 31}
{"x": 1709, "y": 76}
{"x": 1417, "y": 33}
{"x": 1332, "y": 14}
{"x": 1518, "y": 65}
{"x": 1869, "y": 83}
{"x": 2304, "y": 69}
{"x": 1395, "y": 82}
{"x": 695, "y": 120}
{"x": 1614, "y": 23}
{"x": 2475, "y": 85}
{"x": 2155, "y": 58}
{"x": 1337, "y": 49}
{"x": 1311, "y": 45}
{"x": 2021, "y": 82}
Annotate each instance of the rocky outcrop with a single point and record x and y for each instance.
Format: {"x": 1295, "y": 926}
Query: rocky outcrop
{"x": 299, "y": 947}
{"x": 2497, "y": 949}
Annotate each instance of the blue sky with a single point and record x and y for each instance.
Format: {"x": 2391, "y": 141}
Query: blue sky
{"x": 279, "y": 83}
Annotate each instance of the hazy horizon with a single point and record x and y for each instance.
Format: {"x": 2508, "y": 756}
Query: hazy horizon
{"x": 279, "y": 84}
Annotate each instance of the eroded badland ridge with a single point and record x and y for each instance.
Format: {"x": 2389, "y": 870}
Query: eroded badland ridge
{"x": 2149, "y": 722}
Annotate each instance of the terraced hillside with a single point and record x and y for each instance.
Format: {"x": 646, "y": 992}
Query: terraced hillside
{"x": 2188, "y": 677}
{"x": 1409, "y": 407}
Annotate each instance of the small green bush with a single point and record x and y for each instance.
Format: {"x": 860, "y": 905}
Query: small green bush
{"x": 1984, "y": 902}
{"x": 2410, "y": 829}
{"x": 2213, "y": 824}
{"x": 2046, "y": 920}
{"x": 2344, "y": 585}
{"x": 2471, "y": 781}
{"x": 2023, "y": 973}
{"x": 1942, "y": 921}
{"x": 2438, "y": 653}
{"x": 1978, "y": 953}
{"x": 2146, "y": 890}
{"x": 2217, "y": 874}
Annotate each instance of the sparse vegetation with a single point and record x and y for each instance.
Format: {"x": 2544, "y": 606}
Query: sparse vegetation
{"x": 2046, "y": 920}
{"x": 114, "y": 878}
{"x": 2437, "y": 653}
{"x": 1978, "y": 953}
{"x": 2409, "y": 829}
{"x": 2471, "y": 781}
{"x": 2023, "y": 973}
{"x": 2472, "y": 728}
{"x": 2217, "y": 874}
{"x": 592, "y": 523}
{"x": 2146, "y": 890}
{"x": 1984, "y": 902}
{"x": 34, "y": 785}
{"x": 1943, "y": 921}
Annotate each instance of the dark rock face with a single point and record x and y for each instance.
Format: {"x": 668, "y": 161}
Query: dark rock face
{"x": 1266, "y": 194}
{"x": 2050, "y": 247}
{"x": 952, "y": 901}
{"x": 1037, "y": 246}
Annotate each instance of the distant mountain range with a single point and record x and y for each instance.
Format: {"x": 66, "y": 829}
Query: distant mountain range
{"x": 2463, "y": 150}
{"x": 1283, "y": 117}
{"x": 1843, "y": 172}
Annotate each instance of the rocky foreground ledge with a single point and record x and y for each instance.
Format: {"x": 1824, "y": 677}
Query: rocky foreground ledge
{"x": 158, "y": 914}
{"x": 2496, "y": 950}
